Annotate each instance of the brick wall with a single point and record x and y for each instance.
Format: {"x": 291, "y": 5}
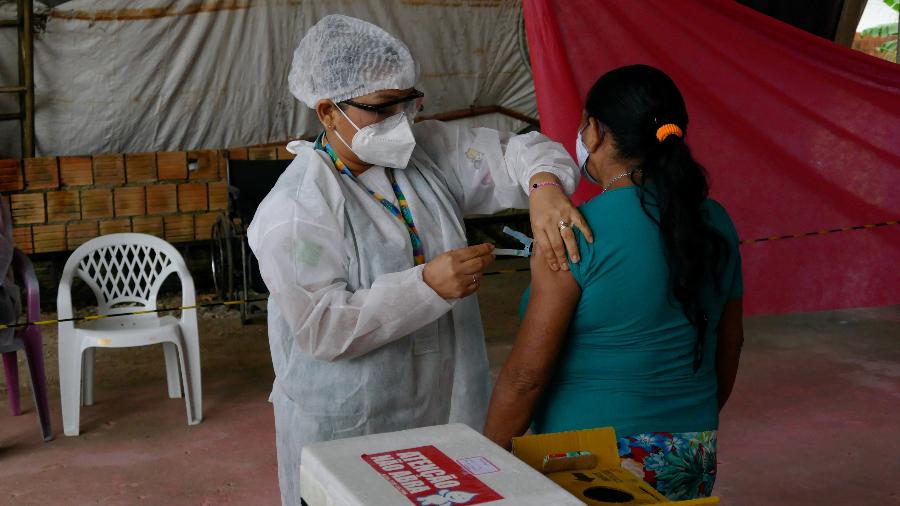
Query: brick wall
{"x": 58, "y": 203}
{"x": 870, "y": 45}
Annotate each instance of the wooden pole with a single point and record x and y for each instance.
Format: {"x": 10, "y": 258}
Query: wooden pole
{"x": 26, "y": 76}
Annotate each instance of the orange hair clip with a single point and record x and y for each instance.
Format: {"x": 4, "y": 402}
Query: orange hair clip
{"x": 667, "y": 130}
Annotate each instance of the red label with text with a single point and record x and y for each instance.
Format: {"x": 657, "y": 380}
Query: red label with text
{"x": 428, "y": 477}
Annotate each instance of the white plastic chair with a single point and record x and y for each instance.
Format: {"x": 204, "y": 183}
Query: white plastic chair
{"x": 125, "y": 272}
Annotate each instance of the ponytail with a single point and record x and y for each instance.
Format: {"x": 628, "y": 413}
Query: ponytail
{"x": 672, "y": 192}
{"x": 647, "y": 118}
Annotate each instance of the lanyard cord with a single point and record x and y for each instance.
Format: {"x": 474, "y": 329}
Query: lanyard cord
{"x": 402, "y": 213}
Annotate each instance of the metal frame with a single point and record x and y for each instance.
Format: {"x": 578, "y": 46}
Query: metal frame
{"x": 234, "y": 280}
{"x": 222, "y": 258}
{"x": 222, "y": 261}
{"x": 246, "y": 272}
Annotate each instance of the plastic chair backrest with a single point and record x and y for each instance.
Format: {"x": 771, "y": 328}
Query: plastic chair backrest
{"x": 6, "y": 226}
{"x": 125, "y": 272}
{"x": 26, "y": 276}
{"x": 22, "y": 268}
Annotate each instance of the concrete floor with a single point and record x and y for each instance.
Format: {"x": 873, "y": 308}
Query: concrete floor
{"x": 815, "y": 417}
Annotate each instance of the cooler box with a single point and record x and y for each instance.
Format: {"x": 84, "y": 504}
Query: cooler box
{"x": 443, "y": 465}
{"x": 606, "y": 482}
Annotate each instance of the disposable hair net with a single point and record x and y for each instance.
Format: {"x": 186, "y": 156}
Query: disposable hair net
{"x": 342, "y": 57}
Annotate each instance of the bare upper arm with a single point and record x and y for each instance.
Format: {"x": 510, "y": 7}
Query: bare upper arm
{"x": 554, "y": 297}
{"x": 731, "y": 325}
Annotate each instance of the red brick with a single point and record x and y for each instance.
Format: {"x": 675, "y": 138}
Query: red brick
{"x": 283, "y": 153}
{"x": 117, "y": 226}
{"x": 172, "y": 165}
{"x": 11, "y": 178}
{"x": 97, "y": 203}
{"x": 207, "y": 165}
{"x": 223, "y": 163}
{"x": 22, "y": 237}
{"x": 262, "y": 153}
{"x": 76, "y": 170}
{"x": 179, "y": 228}
{"x": 238, "y": 154}
{"x": 203, "y": 224}
{"x": 152, "y": 225}
{"x": 192, "y": 197}
{"x": 109, "y": 169}
{"x": 49, "y": 238}
{"x": 80, "y": 233}
{"x": 27, "y": 208}
{"x": 218, "y": 195}
{"x": 129, "y": 201}
{"x": 41, "y": 173}
{"x": 140, "y": 167}
{"x": 162, "y": 199}
{"x": 63, "y": 206}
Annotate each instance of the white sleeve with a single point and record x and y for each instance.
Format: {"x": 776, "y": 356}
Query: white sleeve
{"x": 489, "y": 170}
{"x": 299, "y": 244}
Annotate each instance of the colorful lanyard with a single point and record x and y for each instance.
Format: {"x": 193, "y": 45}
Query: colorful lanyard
{"x": 403, "y": 213}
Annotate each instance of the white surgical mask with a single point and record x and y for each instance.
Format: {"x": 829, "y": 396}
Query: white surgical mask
{"x": 581, "y": 154}
{"x": 388, "y": 143}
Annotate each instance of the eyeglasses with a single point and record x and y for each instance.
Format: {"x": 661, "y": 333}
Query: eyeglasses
{"x": 410, "y": 104}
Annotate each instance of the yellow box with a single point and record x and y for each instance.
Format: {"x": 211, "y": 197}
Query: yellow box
{"x": 607, "y": 483}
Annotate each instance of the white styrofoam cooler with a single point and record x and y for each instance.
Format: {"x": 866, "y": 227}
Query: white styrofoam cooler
{"x": 443, "y": 465}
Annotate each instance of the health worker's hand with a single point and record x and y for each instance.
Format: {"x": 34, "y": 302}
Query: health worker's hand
{"x": 457, "y": 273}
{"x": 552, "y": 217}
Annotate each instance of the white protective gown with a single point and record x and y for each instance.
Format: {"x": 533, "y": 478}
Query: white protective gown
{"x": 360, "y": 344}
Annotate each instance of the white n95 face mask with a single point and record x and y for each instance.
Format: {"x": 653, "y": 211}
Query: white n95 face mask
{"x": 581, "y": 154}
{"x": 388, "y": 143}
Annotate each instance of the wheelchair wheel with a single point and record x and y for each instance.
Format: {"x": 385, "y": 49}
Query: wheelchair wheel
{"x": 222, "y": 262}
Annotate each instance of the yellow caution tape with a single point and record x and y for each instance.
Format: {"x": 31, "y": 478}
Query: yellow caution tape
{"x": 131, "y": 313}
{"x": 820, "y": 232}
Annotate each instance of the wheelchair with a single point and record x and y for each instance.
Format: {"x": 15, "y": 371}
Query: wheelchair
{"x": 235, "y": 269}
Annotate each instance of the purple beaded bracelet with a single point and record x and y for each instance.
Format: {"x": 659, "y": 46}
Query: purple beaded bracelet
{"x": 535, "y": 186}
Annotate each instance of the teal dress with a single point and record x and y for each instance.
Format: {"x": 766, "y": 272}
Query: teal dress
{"x": 627, "y": 360}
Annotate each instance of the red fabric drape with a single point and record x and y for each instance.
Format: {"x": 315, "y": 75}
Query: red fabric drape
{"x": 798, "y": 134}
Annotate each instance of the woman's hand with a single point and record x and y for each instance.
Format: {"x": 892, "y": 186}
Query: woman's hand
{"x": 457, "y": 273}
{"x": 549, "y": 206}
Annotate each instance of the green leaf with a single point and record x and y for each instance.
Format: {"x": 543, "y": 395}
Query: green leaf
{"x": 885, "y": 30}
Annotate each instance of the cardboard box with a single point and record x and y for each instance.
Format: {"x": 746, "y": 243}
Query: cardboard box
{"x": 607, "y": 483}
{"x": 443, "y": 465}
